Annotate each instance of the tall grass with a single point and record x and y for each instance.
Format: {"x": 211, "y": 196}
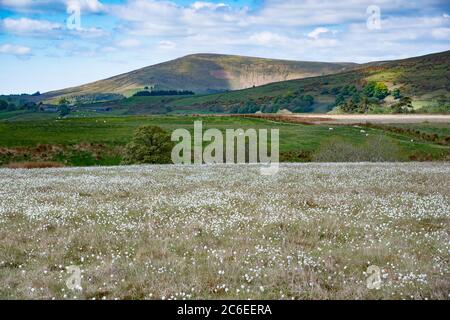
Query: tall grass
{"x": 376, "y": 149}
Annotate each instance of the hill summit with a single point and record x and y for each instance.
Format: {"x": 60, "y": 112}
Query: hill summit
{"x": 205, "y": 73}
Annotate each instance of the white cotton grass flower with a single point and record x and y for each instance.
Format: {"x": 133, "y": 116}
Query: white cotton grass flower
{"x": 227, "y": 231}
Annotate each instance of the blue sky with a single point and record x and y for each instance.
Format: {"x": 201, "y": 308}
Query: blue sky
{"x": 39, "y": 51}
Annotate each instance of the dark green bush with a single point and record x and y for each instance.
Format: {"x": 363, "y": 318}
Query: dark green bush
{"x": 3, "y": 105}
{"x": 150, "y": 144}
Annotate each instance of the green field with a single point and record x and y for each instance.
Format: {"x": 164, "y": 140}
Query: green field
{"x": 100, "y": 140}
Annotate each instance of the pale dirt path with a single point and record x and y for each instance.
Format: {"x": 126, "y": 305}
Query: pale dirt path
{"x": 379, "y": 119}
{"x": 348, "y": 119}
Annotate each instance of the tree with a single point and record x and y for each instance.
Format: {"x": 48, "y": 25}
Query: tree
{"x": 303, "y": 103}
{"x": 404, "y": 106}
{"x": 406, "y": 101}
{"x": 30, "y": 106}
{"x": 348, "y": 90}
{"x": 150, "y": 144}
{"x": 63, "y": 101}
{"x": 381, "y": 91}
{"x": 369, "y": 89}
{"x": 396, "y": 94}
{"x": 270, "y": 108}
{"x": 349, "y": 107}
{"x": 356, "y": 98}
{"x": 335, "y": 91}
{"x": 376, "y": 90}
{"x": 340, "y": 99}
{"x": 11, "y": 107}
{"x": 249, "y": 107}
{"x": 64, "y": 110}
{"x": 3, "y": 105}
{"x": 364, "y": 105}
{"x": 216, "y": 109}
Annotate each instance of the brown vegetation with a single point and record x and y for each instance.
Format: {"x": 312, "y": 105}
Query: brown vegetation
{"x": 34, "y": 165}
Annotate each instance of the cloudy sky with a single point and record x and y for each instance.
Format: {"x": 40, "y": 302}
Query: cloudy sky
{"x": 46, "y": 44}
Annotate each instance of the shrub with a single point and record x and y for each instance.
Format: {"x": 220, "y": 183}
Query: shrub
{"x": 444, "y": 109}
{"x": 3, "y": 105}
{"x": 381, "y": 149}
{"x": 150, "y": 144}
{"x": 64, "y": 110}
{"x": 381, "y": 91}
{"x": 404, "y": 106}
{"x": 396, "y": 94}
{"x": 11, "y": 107}
{"x": 376, "y": 89}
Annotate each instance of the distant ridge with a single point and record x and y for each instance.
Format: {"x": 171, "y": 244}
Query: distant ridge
{"x": 205, "y": 73}
{"x": 425, "y": 79}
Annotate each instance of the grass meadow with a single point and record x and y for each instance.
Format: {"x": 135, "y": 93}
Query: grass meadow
{"x": 100, "y": 140}
{"x": 226, "y": 232}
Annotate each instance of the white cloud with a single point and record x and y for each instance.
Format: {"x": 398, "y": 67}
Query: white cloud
{"x": 15, "y": 50}
{"x": 161, "y": 18}
{"x": 25, "y": 25}
{"x": 304, "y": 30}
{"x": 108, "y": 49}
{"x": 317, "y": 32}
{"x": 326, "y": 30}
{"x": 88, "y": 6}
{"x": 166, "y": 45}
{"x": 85, "y": 5}
{"x": 306, "y": 13}
{"x": 89, "y": 33}
{"x": 267, "y": 38}
{"x": 330, "y": 12}
{"x": 16, "y": 3}
{"x": 129, "y": 43}
{"x": 207, "y": 5}
{"x": 320, "y": 30}
{"x": 441, "y": 33}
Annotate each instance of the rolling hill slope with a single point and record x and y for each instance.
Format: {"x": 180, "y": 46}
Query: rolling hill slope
{"x": 204, "y": 73}
{"x": 425, "y": 79}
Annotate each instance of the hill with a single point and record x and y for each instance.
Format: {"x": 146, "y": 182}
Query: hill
{"x": 419, "y": 84}
{"x": 201, "y": 73}
{"x": 424, "y": 79}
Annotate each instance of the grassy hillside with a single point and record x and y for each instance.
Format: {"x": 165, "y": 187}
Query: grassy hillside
{"x": 418, "y": 84}
{"x": 100, "y": 141}
{"x": 203, "y": 73}
{"x": 423, "y": 79}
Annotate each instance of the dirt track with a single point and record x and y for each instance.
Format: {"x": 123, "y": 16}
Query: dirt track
{"x": 381, "y": 119}
{"x": 349, "y": 119}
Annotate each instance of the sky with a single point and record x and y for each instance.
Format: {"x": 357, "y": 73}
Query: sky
{"x": 54, "y": 44}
